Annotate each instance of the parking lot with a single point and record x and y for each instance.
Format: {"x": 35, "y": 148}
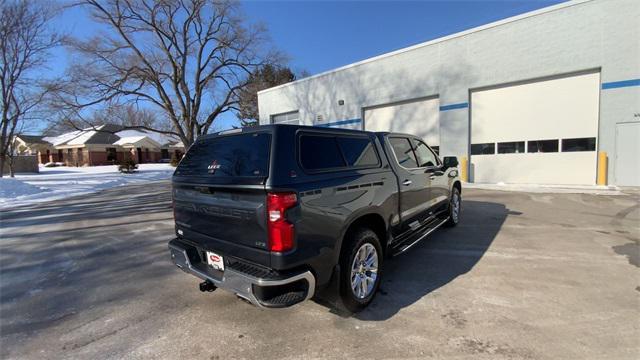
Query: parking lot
{"x": 533, "y": 276}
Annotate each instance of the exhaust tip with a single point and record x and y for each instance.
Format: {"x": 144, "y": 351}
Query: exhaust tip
{"x": 207, "y": 286}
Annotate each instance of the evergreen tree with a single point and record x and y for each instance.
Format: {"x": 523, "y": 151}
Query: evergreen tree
{"x": 264, "y": 77}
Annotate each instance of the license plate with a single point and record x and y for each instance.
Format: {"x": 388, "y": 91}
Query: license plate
{"x": 214, "y": 260}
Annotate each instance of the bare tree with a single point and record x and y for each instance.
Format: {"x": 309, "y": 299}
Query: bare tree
{"x": 25, "y": 41}
{"x": 126, "y": 115}
{"x": 129, "y": 115}
{"x": 12, "y": 148}
{"x": 186, "y": 58}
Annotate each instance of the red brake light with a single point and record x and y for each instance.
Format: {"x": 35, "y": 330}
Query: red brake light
{"x": 280, "y": 230}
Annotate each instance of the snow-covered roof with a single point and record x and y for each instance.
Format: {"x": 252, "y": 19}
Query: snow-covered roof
{"x": 161, "y": 139}
{"x": 31, "y": 139}
{"x": 138, "y": 141}
{"x": 129, "y": 140}
{"x": 111, "y": 134}
{"x": 103, "y": 134}
{"x": 82, "y": 138}
{"x": 60, "y": 139}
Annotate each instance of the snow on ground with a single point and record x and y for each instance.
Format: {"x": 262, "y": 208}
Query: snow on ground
{"x": 13, "y": 188}
{"x": 61, "y": 182}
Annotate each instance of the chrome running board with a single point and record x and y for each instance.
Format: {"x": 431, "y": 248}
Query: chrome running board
{"x": 407, "y": 247}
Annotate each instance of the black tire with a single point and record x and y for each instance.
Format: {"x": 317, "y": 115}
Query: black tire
{"x": 454, "y": 200}
{"x": 357, "y": 240}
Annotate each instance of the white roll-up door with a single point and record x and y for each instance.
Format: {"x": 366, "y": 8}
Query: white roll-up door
{"x": 542, "y": 132}
{"x": 417, "y": 117}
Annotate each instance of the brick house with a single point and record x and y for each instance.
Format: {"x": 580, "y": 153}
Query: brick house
{"x": 35, "y": 145}
{"x": 103, "y": 145}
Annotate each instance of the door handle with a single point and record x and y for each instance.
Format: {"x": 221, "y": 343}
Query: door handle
{"x": 432, "y": 177}
{"x": 407, "y": 182}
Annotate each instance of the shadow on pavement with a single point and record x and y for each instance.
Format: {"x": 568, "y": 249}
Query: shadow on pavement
{"x": 116, "y": 202}
{"x": 67, "y": 257}
{"x": 436, "y": 261}
{"x": 88, "y": 254}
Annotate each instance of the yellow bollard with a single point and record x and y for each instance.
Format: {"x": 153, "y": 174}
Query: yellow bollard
{"x": 463, "y": 168}
{"x": 602, "y": 168}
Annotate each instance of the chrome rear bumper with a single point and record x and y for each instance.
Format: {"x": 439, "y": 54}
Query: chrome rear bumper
{"x": 244, "y": 285}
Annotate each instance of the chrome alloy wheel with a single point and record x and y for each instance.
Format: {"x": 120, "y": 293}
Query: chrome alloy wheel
{"x": 455, "y": 207}
{"x": 364, "y": 271}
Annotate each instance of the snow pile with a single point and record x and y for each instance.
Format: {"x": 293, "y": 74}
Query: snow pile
{"x": 61, "y": 182}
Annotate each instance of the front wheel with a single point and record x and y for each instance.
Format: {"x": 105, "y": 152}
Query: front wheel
{"x": 455, "y": 205}
{"x": 361, "y": 269}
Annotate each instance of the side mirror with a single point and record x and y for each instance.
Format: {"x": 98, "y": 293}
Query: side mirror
{"x": 450, "y": 162}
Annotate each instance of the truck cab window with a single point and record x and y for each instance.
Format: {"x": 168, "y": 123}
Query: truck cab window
{"x": 426, "y": 158}
{"x": 404, "y": 153}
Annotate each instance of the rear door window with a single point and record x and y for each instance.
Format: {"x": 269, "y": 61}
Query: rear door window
{"x": 403, "y": 152}
{"x": 242, "y": 155}
{"x": 319, "y": 152}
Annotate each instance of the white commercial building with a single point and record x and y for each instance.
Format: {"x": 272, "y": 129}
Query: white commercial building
{"x": 547, "y": 97}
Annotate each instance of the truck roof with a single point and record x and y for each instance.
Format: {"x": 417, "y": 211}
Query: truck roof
{"x": 258, "y": 128}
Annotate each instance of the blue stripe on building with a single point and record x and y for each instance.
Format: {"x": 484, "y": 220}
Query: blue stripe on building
{"x": 620, "y": 84}
{"x": 454, "y": 106}
{"x": 342, "y": 122}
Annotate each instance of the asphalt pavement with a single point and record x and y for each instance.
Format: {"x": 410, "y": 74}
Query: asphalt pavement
{"x": 524, "y": 276}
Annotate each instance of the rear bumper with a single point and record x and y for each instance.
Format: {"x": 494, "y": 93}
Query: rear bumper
{"x": 262, "y": 292}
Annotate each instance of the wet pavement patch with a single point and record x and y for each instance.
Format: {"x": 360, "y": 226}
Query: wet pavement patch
{"x": 631, "y": 251}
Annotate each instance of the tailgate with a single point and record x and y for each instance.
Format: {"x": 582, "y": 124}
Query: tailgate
{"x": 219, "y": 194}
{"x": 230, "y": 215}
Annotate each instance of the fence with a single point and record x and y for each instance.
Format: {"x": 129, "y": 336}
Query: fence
{"x": 22, "y": 164}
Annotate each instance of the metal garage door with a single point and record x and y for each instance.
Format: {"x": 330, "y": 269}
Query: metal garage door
{"x": 540, "y": 132}
{"x": 418, "y": 117}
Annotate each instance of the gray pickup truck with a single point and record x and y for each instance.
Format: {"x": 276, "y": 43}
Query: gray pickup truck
{"x": 274, "y": 213}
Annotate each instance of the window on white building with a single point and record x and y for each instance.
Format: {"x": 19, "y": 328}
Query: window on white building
{"x": 292, "y": 117}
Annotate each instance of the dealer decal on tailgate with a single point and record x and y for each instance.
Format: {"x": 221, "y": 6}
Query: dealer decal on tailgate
{"x": 215, "y": 261}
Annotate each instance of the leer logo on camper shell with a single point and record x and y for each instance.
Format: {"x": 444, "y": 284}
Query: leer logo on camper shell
{"x": 213, "y": 167}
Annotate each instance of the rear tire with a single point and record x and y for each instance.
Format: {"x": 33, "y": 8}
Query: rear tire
{"x": 455, "y": 207}
{"x": 361, "y": 263}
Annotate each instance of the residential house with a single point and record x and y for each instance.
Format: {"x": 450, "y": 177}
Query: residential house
{"x": 147, "y": 146}
{"x": 103, "y": 145}
{"x": 35, "y": 145}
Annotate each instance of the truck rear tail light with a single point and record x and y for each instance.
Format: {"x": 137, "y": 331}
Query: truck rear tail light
{"x": 280, "y": 230}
